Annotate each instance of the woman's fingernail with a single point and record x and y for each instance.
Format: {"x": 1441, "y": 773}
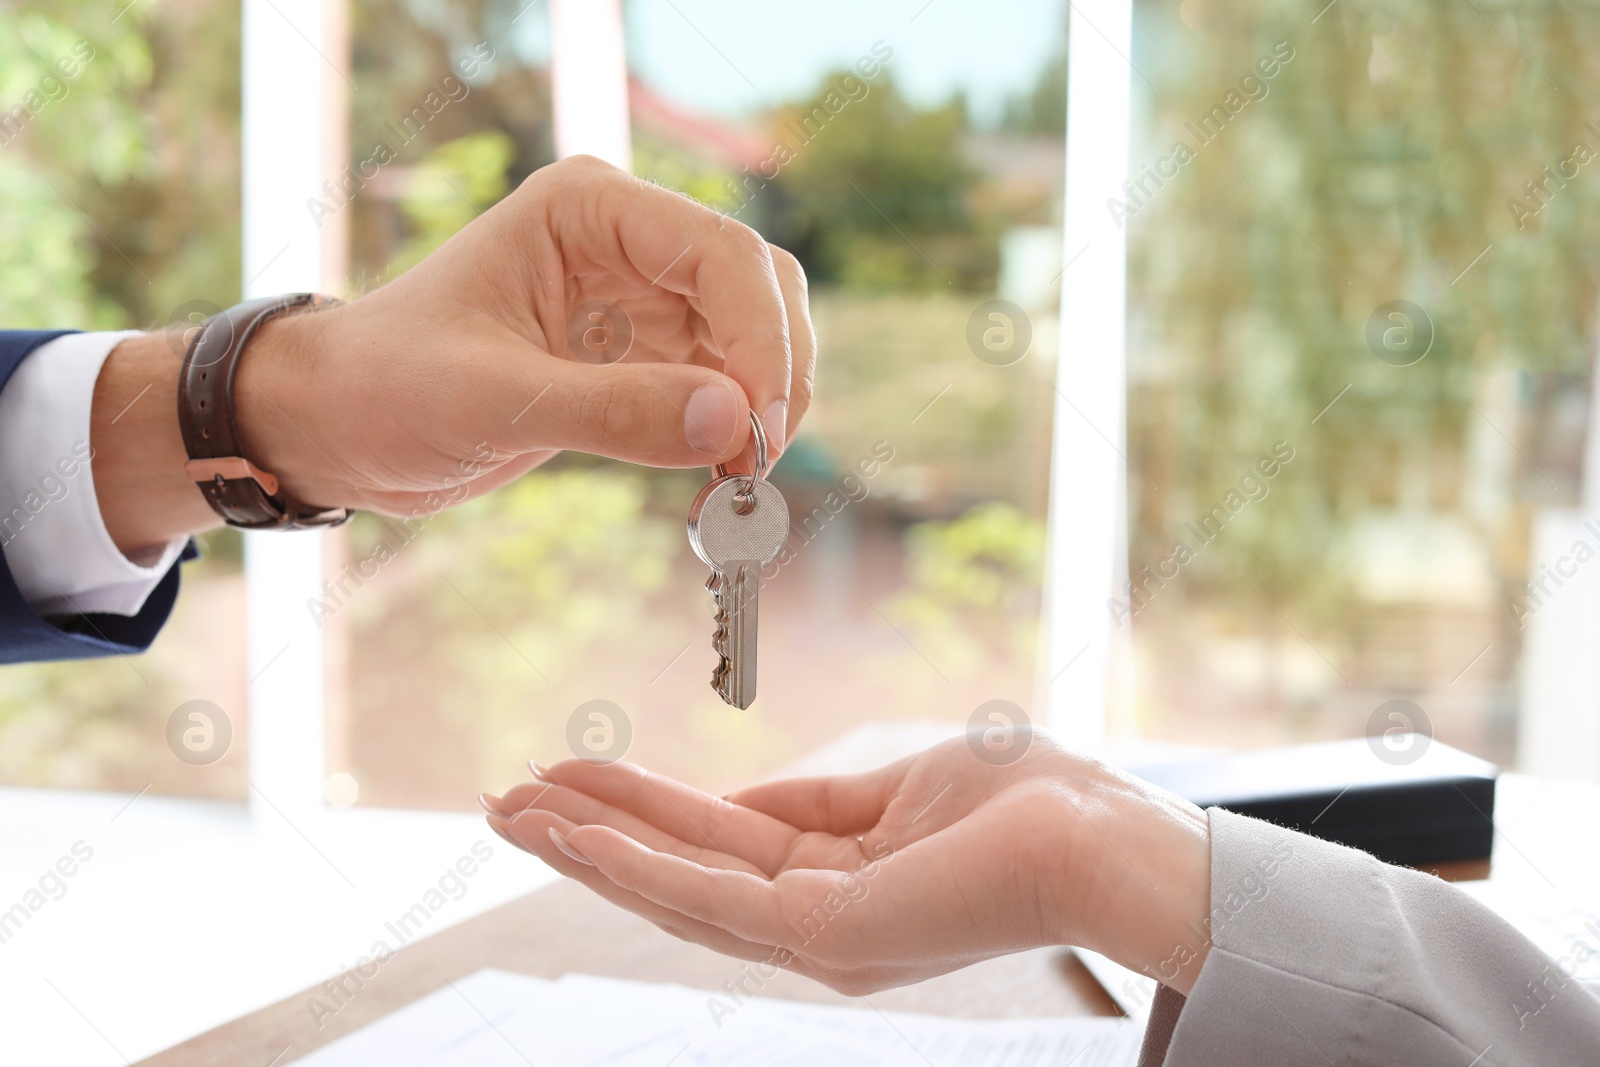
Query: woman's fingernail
{"x": 711, "y": 418}
{"x": 491, "y": 803}
{"x": 540, "y": 771}
{"x": 569, "y": 850}
{"x": 776, "y": 422}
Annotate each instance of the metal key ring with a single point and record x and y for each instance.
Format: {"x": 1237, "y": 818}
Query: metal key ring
{"x": 762, "y": 464}
{"x": 745, "y": 498}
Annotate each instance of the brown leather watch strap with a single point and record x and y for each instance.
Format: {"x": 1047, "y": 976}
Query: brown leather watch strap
{"x": 242, "y": 493}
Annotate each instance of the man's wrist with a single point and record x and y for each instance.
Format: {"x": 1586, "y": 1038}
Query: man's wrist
{"x": 280, "y": 405}
{"x": 145, "y": 497}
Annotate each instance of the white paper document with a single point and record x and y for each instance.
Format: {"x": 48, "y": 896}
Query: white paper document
{"x": 499, "y": 1019}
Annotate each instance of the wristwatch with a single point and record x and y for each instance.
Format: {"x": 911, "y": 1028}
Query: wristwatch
{"x": 241, "y": 492}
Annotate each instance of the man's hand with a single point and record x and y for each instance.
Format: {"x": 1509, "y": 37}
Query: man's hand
{"x": 874, "y": 880}
{"x": 456, "y": 378}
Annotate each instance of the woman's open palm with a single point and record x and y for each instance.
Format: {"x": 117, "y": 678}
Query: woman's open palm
{"x": 861, "y": 881}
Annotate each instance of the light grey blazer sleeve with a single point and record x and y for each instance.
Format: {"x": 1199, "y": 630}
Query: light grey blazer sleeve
{"x": 1323, "y": 956}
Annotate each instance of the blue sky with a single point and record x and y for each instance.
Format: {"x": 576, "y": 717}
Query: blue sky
{"x": 732, "y": 58}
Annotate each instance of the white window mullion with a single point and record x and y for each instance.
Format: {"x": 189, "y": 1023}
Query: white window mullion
{"x": 294, "y": 116}
{"x": 589, "y": 81}
{"x": 1084, "y": 650}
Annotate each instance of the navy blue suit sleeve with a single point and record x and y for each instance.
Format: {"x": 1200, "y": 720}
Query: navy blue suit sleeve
{"x": 26, "y": 636}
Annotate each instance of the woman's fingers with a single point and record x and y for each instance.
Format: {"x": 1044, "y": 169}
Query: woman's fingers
{"x": 745, "y": 905}
{"x": 532, "y": 832}
{"x": 680, "y": 811}
{"x": 897, "y": 915}
{"x": 845, "y": 804}
{"x": 836, "y": 921}
{"x": 582, "y": 809}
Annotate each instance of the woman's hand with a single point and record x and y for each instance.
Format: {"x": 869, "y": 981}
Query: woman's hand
{"x": 874, "y": 880}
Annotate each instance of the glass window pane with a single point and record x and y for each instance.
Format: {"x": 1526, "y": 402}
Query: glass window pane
{"x": 1361, "y": 316}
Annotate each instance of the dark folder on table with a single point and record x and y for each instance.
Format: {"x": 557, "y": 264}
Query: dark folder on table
{"x": 1436, "y": 808}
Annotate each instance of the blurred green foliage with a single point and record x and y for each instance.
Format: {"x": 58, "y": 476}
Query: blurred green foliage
{"x": 1042, "y": 111}
{"x": 527, "y": 580}
{"x": 453, "y": 185}
{"x": 972, "y": 589}
{"x": 486, "y": 141}
{"x": 1381, "y": 163}
{"x": 885, "y": 358}
{"x": 100, "y": 724}
{"x": 122, "y": 192}
{"x": 576, "y": 543}
{"x": 64, "y": 725}
{"x": 878, "y": 200}
{"x": 84, "y": 135}
{"x": 980, "y": 562}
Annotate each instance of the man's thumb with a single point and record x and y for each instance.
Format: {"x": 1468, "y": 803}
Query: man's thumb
{"x": 660, "y": 415}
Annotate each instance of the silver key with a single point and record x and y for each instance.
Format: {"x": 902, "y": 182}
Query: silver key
{"x": 737, "y": 525}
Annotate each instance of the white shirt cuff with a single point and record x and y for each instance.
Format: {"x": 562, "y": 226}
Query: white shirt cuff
{"x": 54, "y": 539}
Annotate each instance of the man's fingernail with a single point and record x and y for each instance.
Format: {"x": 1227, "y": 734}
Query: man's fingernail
{"x": 775, "y": 420}
{"x": 491, "y": 803}
{"x": 711, "y": 418}
{"x": 569, "y": 850}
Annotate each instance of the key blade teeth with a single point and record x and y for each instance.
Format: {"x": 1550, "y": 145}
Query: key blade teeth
{"x": 722, "y": 681}
{"x": 719, "y": 682}
{"x": 740, "y": 603}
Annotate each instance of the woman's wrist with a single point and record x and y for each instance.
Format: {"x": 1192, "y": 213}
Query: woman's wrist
{"x": 1137, "y": 875}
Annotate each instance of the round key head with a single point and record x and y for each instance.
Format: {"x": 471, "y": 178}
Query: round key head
{"x": 719, "y": 533}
